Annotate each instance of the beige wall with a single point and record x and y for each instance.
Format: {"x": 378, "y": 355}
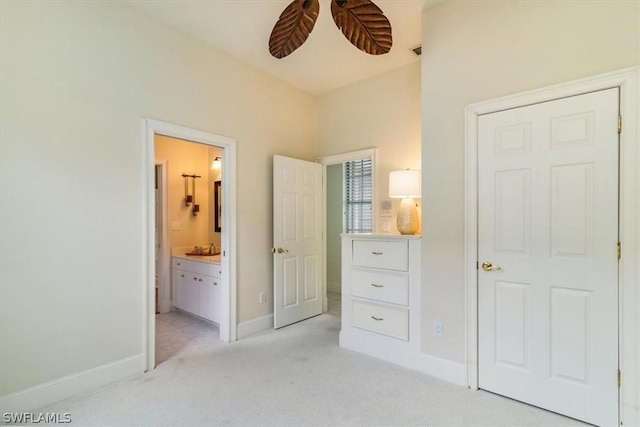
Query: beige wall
{"x": 191, "y": 159}
{"x": 77, "y": 78}
{"x": 381, "y": 112}
{"x": 478, "y": 50}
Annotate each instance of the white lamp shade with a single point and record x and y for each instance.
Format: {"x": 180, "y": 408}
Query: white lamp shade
{"x": 404, "y": 184}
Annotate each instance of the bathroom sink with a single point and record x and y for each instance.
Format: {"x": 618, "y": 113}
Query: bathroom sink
{"x": 202, "y": 254}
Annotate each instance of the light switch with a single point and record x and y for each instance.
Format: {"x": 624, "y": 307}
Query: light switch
{"x": 175, "y": 226}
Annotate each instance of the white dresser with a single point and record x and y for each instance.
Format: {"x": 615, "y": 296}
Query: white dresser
{"x": 381, "y": 296}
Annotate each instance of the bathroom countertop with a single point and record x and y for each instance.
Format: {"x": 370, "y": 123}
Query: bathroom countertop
{"x": 210, "y": 259}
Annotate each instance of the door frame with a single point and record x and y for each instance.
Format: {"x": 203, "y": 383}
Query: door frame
{"x": 164, "y": 283}
{"x": 629, "y": 222}
{"x": 337, "y": 159}
{"x": 151, "y": 128}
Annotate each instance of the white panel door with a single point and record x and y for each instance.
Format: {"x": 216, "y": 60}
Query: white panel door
{"x": 297, "y": 240}
{"x": 548, "y": 225}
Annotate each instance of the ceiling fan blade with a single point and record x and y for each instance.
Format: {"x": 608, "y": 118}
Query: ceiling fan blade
{"x": 293, "y": 27}
{"x": 363, "y": 24}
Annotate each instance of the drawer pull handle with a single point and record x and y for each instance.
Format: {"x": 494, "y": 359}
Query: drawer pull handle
{"x": 377, "y": 253}
{"x": 378, "y": 319}
{"x": 377, "y": 286}
{"x": 178, "y": 263}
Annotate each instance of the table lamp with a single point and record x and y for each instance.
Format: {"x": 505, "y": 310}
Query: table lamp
{"x": 405, "y": 185}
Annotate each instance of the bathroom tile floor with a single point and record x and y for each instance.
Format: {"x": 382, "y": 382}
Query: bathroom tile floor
{"x": 177, "y": 331}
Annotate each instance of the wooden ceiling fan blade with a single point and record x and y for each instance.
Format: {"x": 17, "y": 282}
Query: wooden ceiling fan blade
{"x": 363, "y": 24}
{"x": 293, "y": 27}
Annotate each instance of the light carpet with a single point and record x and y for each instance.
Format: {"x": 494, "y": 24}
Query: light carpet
{"x": 295, "y": 376}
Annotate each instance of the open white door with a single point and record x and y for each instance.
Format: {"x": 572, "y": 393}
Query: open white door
{"x": 297, "y": 240}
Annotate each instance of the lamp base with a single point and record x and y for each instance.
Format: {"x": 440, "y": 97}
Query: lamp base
{"x": 408, "y": 221}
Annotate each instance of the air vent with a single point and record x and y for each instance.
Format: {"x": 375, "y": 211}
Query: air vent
{"x": 417, "y": 50}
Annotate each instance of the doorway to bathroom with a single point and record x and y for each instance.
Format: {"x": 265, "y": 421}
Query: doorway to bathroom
{"x": 188, "y": 241}
{"x": 195, "y": 174}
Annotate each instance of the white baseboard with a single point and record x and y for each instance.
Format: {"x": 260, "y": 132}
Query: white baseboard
{"x": 447, "y": 370}
{"x": 630, "y": 414}
{"x": 334, "y": 287}
{"x": 251, "y": 327}
{"x": 166, "y": 305}
{"x": 402, "y": 354}
{"x": 53, "y": 391}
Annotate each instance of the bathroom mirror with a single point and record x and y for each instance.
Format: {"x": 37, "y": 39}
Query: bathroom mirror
{"x": 217, "y": 196}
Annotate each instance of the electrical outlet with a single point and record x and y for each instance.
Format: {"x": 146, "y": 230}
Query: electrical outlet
{"x": 175, "y": 226}
{"x": 263, "y": 298}
{"x": 437, "y": 328}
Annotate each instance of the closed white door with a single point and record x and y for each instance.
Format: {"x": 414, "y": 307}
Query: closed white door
{"x": 297, "y": 240}
{"x": 548, "y": 234}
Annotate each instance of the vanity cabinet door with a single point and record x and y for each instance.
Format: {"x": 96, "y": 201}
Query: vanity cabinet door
{"x": 179, "y": 291}
{"x": 209, "y": 302}
{"x": 185, "y": 290}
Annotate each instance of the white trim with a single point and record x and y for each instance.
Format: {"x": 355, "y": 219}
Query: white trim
{"x": 627, "y": 81}
{"x": 337, "y": 159}
{"x": 447, "y": 370}
{"x": 254, "y": 326}
{"x": 151, "y": 128}
{"x": 50, "y": 392}
{"x": 347, "y": 157}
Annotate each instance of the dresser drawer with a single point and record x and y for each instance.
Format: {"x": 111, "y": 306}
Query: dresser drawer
{"x": 380, "y": 286}
{"x": 383, "y": 254}
{"x": 390, "y": 321}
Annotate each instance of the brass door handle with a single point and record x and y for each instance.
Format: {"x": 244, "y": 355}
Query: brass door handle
{"x": 281, "y": 250}
{"x": 487, "y": 266}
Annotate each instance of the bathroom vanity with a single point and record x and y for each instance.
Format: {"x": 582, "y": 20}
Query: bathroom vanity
{"x": 196, "y": 285}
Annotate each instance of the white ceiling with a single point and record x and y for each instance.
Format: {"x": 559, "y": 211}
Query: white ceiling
{"x": 326, "y": 61}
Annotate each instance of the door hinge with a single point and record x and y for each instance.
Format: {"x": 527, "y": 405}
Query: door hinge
{"x": 619, "y": 123}
{"x": 619, "y": 250}
{"x": 477, "y": 265}
{"x": 619, "y": 378}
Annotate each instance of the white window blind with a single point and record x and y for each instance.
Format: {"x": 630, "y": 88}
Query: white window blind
{"x": 357, "y": 196}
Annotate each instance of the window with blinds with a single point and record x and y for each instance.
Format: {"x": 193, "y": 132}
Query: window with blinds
{"x": 358, "y": 189}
